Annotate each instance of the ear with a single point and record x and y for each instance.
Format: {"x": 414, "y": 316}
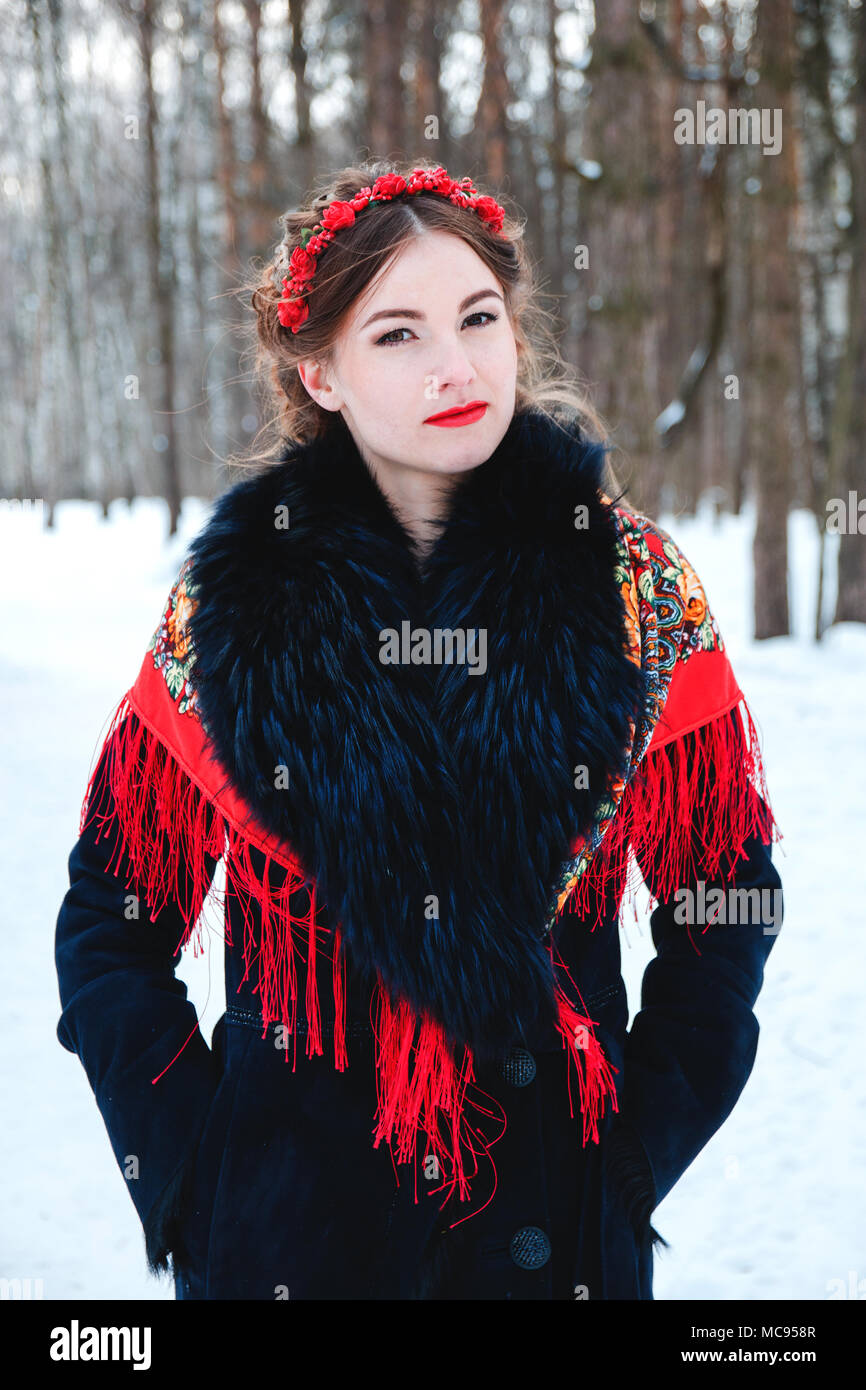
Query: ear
{"x": 316, "y": 377}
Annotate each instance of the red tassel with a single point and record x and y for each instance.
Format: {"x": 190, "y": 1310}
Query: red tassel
{"x": 594, "y": 1073}
{"x": 341, "y": 1060}
{"x": 419, "y": 1081}
{"x": 662, "y": 813}
{"x": 165, "y": 821}
{"x": 162, "y": 818}
{"x": 419, "y": 1084}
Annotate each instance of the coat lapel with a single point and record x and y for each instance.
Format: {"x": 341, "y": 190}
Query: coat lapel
{"x": 432, "y": 805}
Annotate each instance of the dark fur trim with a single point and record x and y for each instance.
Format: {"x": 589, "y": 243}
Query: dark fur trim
{"x": 163, "y": 1240}
{"x": 410, "y": 780}
{"x": 629, "y": 1174}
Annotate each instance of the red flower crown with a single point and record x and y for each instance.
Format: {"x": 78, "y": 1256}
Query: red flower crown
{"x": 293, "y": 309}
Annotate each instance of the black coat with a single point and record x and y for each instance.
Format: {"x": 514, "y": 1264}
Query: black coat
{"x": 259, "y": 1177}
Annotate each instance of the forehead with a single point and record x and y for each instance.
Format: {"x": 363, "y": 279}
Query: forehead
{"x": 430, "y": 264}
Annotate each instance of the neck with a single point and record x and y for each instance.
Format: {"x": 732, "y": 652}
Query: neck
{"x": 419, "y": 499}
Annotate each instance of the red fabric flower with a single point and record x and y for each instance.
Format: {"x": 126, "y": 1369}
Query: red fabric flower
{"x": 439, "y": 180}
{"x": 389, "y": 186}
{"x": 444, "y": 182}
{"x": 490, "y": 212}
{"x": 302, "y": 264}
{"x": 293, "y": 312}
{"x": 337, "y": 215}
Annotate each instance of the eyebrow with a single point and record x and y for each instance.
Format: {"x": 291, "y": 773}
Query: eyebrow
{"x": 416, "y": 313}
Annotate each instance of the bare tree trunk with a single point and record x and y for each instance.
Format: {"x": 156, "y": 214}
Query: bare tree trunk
{"x": 164, "y": 421}
{"x": 696, "y": 312}
{"x": 772, "y": 377}
{"x": 226, "y": 167}
{"x": 675, "y": 248}
{"x": 620, "y": 346}
{"x": 62, "y": 438}
{"x": 192, "y": 52}
{"x": 711, "y": 265}
{"x": 384, "y": 33}
{"x": 427, "y": 106}
{"x": 490, "y": 117}
{"x": 822, "y": 152}
{"x": 233, "y": 399}
{"x": 260, "y": 231}
{"x": 743, "y": 214}
{"x": 851, "y": 596}
{"x": 114, "y": 428}
{"x": 556, "y": 240}
{"x": 298, "y": 60}
{"x": 88, "y": 402}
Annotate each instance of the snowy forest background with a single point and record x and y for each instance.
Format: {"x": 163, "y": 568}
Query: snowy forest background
{"x": 147, "y": 150}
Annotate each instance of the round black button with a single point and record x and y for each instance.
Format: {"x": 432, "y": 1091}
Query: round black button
{"x": 530, "y": 1248}
{"x": 518, "y": 1067}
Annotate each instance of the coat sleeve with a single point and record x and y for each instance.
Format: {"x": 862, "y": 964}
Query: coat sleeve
{"x": 692, "y": 1046}
{"x": 127, "y": 1017}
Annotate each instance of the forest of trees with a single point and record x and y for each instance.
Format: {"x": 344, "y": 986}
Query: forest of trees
{"x": 711, "y": 294}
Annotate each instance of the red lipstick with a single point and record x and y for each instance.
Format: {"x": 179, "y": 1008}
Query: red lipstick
{"x": 459, "y": 415}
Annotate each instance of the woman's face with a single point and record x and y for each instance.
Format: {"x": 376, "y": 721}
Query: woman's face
{"x": 413, "y": 347}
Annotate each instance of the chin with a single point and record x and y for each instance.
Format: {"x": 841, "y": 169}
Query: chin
{"x": 461, "y": 460}
{"x": 464, "y": 447}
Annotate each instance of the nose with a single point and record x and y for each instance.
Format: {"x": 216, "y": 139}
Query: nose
{"x": 455, "y": 366}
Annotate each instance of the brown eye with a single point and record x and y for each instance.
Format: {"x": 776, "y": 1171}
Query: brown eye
{"x": 386, "y": 337}
{"x": 387, "y": 340}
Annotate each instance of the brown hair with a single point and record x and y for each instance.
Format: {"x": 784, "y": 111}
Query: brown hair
{"x": 347, "y": 267}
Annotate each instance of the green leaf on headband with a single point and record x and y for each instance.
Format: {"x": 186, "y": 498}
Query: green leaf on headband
{"x": 306, "y": 233}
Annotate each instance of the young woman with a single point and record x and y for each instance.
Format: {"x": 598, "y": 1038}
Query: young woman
{"x": 425, "y": 685}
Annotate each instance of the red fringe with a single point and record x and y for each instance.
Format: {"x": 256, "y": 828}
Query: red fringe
{"x": 595, "y": 1075}
{"x": 667, "y": 813}
{"x": 419, "y": 1081}
{"x": 166, "y": 823}
{"x": 168, "y": 829}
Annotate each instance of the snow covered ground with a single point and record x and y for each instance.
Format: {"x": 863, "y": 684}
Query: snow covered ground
{"x": 773, "y": 1206}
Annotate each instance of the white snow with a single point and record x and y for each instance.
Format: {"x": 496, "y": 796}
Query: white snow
{"x": 771, "y": 1208}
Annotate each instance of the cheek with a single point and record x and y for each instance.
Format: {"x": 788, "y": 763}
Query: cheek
{"x": 385, "y": 366}
{"x": 504, "y": 353}
{"x": 374, "y": 378}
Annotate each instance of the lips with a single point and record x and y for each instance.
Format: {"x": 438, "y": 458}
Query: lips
{"x": 464, "y": 415}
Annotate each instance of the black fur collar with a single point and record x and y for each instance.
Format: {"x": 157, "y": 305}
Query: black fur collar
{"x": 412, "y": 787}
